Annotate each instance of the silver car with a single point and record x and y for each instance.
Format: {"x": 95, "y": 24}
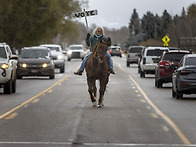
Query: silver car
{"x": 57, "y": 56}
{"x": 8, "y": 66}
{"x": 75, "y": 51}
{"x": 133, "y": 54}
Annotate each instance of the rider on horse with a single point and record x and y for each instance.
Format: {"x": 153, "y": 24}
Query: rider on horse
{"x": 92, "y": 41}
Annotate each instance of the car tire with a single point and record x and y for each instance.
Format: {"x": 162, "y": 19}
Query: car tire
{"x": 159, "y": 84}
{"x": 69, "y": 59}
{"x": 52, "y": 76}
{"x": 62, "y": 69}
{"x": 139, "y": 70}
{"x": 14, "y": 86}
{"x": 7, "y": 89}
{"x": 155, "y": 83}
{"x": 173, "y": 93}
{"x": 142, "y": 74}
{"x": 19, "y": 77}
{"x": 179, "y": 94}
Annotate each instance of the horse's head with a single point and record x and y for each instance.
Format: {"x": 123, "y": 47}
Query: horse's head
{"x": 100, "y": 50}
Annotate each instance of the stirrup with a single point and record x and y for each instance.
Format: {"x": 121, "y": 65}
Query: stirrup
{"x": 79, "y": 72}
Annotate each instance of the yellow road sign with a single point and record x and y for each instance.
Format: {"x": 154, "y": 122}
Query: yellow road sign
{"x": 166, "y": 40}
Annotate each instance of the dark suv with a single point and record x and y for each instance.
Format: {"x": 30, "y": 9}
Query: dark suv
{"x": 166, "y": 66}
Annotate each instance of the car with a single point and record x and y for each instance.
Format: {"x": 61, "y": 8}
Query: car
{"x": 115, "y": 51}
{"x": 133, "y": 54}
{"x": 173, "y": 48}
{"x": 184, "y": 77}
{"x": 35, "y": 61}
{"x": 75, "y": 51}
{"x": 57, "y": 55}
{"x": 166, "y": 66}
{"x": 150, "y": 56}
{"x": 8, "y": 67}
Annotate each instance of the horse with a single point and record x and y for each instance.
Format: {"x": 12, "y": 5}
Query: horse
{"x": 97, "y": 69}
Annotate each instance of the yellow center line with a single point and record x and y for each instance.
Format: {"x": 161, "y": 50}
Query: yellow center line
{"x": 31, "y": 99}
{"x": 11, "y": 116}
{"x": 173, "y": 125}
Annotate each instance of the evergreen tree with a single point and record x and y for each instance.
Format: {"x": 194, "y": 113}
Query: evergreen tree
{"x": 166, "y": 21}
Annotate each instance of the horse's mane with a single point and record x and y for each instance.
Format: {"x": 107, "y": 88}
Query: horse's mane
{"x": 97, "y": 45}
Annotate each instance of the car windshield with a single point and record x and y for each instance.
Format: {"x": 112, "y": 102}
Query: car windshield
{"x": 115, "y": 48}
{"x": 190, "y": 61}
{"x": 75, "y": 48}
{"x": 35, "y": 53}
{"x": 173, "y": 57}
{"x": 54, "y": 49}
{"x": 156, "y": 52}
{"x": 135, "y": 50}
{"x": 2, "y": 53}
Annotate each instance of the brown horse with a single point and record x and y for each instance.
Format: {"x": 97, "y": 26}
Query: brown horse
{"x": 97, "y": 69}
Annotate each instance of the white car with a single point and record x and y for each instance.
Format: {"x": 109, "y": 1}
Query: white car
{"x": 75, "y": 52}
{"x": 57, "y": 56}
{"x": 8, "y": 67}
{"x": 150, "y": 58}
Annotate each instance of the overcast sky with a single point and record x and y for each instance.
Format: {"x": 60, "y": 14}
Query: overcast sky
{"x": 117, "y": 13}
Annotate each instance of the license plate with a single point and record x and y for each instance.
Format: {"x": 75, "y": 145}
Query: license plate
{"x": 34, "y": 71}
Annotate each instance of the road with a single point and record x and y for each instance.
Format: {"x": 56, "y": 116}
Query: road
{"x": 59, "y": 112}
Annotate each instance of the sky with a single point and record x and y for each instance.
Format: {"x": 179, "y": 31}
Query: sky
{"x": 117, "y": 13}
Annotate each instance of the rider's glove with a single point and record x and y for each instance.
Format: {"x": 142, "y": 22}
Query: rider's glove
{"x": 109, "y": 41}
{"x": 88, "y": 36}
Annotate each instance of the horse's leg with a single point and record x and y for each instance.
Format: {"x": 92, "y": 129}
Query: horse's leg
{"x": 94, "y": 89}
{"x": 90, "y": 90}
{"x": 101, "y": 92}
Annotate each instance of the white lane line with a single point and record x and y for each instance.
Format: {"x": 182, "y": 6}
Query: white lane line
{"x": 99, "y": 144}
{"x": 172, "y": 124}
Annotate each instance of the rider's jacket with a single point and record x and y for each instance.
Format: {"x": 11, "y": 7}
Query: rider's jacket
{"x": 94, "y": 40}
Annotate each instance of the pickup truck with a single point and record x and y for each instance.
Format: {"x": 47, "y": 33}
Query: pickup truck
{"x": 8, "y": 66}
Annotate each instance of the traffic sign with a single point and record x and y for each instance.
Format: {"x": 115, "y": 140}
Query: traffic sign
{"x": 86, "y": 13}
{"x": 166, "y": 40}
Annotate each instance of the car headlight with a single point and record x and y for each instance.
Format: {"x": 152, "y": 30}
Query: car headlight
{"x": 44, "y": 65}
{"x": 4, "y": 66}
{"x": 60, "y": 57}
{"x": 24, "y": 65}
{"x": 69, "y": 52}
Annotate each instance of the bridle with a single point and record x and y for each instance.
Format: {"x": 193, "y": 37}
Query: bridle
{"x": 95, "y": 52}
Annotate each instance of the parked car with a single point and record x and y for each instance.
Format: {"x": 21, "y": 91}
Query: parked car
{"x": 133, "y": 54}
{"x": 75, "y": 51}
{"x": 184, "y": 77}
{"x": 35, "y": 61}
{"x": 166, "y": 66}
{"x": 150, "y": 57}
{"x": 115, "y": 51}
{"x": 57, "y": 56}
{"x": 8, "y": 66}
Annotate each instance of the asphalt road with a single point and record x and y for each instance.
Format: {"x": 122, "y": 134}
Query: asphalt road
{"x": 59, "y": 112}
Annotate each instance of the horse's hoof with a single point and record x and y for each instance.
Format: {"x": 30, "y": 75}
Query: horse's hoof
{"x": 99, "y": 106}
{"x": 95, "y": 104}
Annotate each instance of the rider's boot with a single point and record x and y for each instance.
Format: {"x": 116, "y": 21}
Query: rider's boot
{"x": 112, "y": 71}
{"x": 79, "y": 72}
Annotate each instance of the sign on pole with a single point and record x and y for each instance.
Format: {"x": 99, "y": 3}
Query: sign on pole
{"x": 86, "y": 13}
{"x": 166, "y": 40}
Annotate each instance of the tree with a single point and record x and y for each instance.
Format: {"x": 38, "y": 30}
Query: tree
{"x": 166, "y": 21}
{"x": 29, "y": 22}
{"x": 134, "y": 25}
{"x": 191, "y": 15}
